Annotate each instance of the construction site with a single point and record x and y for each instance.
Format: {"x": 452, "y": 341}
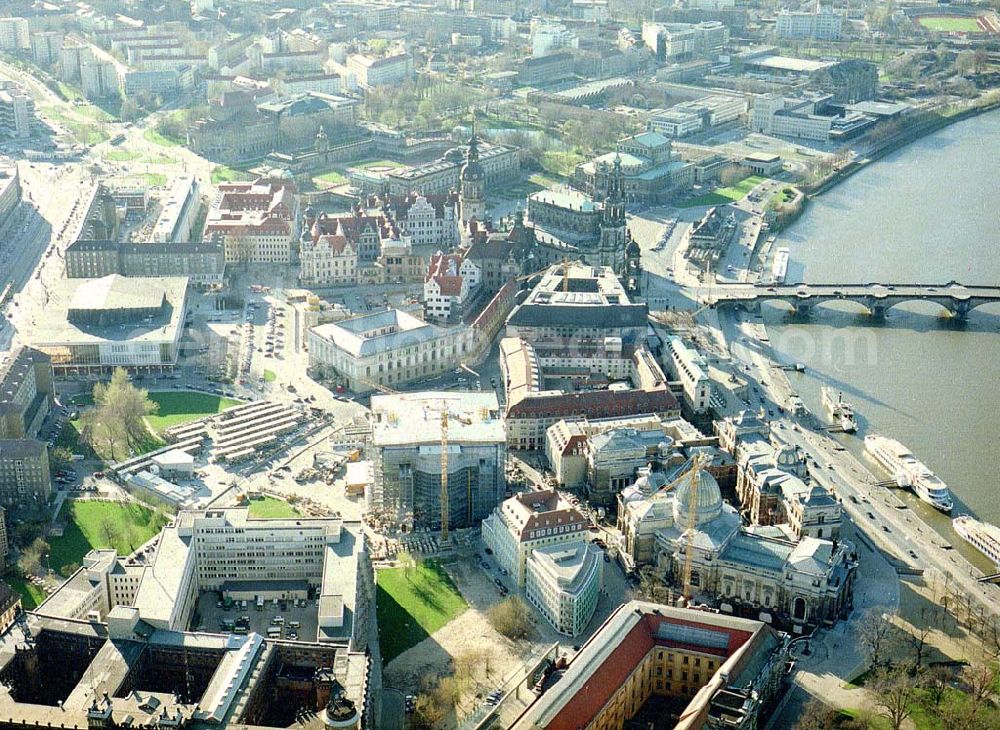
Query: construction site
{"x": 438, "y": 459}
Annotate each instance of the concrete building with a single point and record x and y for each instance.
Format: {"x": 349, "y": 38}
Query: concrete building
{"x": 99, "y": 79}
{"x": 688, "y": 366}
{"x": 45, "y": 46}
{"x": 547, "y": 36}
{"x": 529, "y": 520}
{"x": 257, "y": 221}
{"x": 4, "y": 543}
{"x": 406, "y": 451}
{"x": 575, "y": 346}
{"x": 178, "y": 212}
{"x": 202, "y": 263}
{"x": 756, "y": 572}
{"x": 720, "y": 672}
{"x": 564, "y": 582}
{"x": 427, "y": 220}
{"x": 385, "y": 348}
{"x": 96, "y": 325}
{"x": 14, "y": 35}
{"x": 697, "y": 115}
{"x": 677, "y": 42}
{"x": 811, "y": 118}
{"x": 10, "y": 191}
{"x": 26, "y": 392}
{"x": 552, "y": 68}
{"x": 822, "y": 24}
{"x": 10, "y": 600}
{"x": 17, "y": 111}
{"x": 370, "y": 72}
{"x": 24, "y": 472}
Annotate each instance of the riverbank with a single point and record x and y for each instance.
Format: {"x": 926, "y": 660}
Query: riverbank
{"x": 934, "y": 122}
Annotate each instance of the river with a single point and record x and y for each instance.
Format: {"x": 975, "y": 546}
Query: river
{"x": 929, "y": 213}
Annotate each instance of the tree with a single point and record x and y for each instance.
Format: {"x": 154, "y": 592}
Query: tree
{"x": 733, "y": 175}
{"x": 511, "y": 618}
{"x": 981, "y": 679}
{"x": 817, "y": 716}
{"x": 876, "y": 631}
{"x": 109, "y": 531}
{"x": 916, "y": 637}
{"x": 427, "y": 713}
{"x": 67, "y": 570}
{"x": 935, "y": 683}
{"x": 60, "y": 458}
{"x": 116, "y": 426}
{"x": 892, "y": 692}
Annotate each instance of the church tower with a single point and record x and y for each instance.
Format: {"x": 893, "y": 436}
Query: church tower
{"x": 614, "y": 230}
{"x": 472, "y": 194}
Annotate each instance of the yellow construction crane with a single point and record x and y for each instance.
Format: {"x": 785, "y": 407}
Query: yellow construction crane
{"x": 692, "y": 523}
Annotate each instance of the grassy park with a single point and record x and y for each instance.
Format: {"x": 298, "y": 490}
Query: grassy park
{"x": 412, "y": 603}
{"x": 31, "y": 595}
{"x": 181, "y": 406}
{"x": 950, "y": 24}
{"x": 99, "y": 524}
{"x": 724, "y": 195}
{"x": 151, "y": 135}
{"x": 272, "y": 508}
{"x": 333, "y": 178}
{"x": 224, "y": 173}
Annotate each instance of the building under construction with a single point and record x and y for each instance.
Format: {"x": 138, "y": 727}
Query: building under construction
{"x": 418, "y": 438}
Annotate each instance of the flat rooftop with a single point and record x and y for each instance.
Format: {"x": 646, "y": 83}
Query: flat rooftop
{"x": 415, "y": 418}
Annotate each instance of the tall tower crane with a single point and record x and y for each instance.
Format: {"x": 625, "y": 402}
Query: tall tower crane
{"x": 692, "y": 523}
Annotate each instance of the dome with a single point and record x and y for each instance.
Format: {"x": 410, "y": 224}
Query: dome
{"x": 709, "y": 504}
{"x": 786, "y": 457}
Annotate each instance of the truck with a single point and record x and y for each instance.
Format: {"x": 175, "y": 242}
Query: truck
{"x": 260, "y": 603}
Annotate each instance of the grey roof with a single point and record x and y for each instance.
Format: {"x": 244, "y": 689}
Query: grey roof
{"x": 20, "y": 448}
{"x": 762, "y": 552}
{"x": 598, "y": 315}
{"x": 351, "y": 335}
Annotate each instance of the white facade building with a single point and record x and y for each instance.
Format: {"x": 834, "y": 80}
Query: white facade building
{"x": 822, "y": 24}
{"x": 688, "y": 366}
{"x": 179, "y": 211}
{"x": 451, "y": 281}
{"x": 547, "y": 37}
{"x": 564, "y": 583}
{"x": 14, "y": 34}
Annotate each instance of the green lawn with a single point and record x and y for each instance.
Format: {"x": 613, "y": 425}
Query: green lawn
{"x": 413, "y": 603}
{"x": 31, "y": 595}
{"x": 98, "y": 524}
{"x": 151, "y": 135}
{"x": 159, "y": 160}
{"x": 272, "y": 508}
{"x": 950, "y": 24}
{"x": 121, "y": 155}
{"x": 561, "y": 163}
{"x": 333, "y": 177}
{"x": 178, "y": 407}
{"x": 154, "y": 179}
{"x": 270, "y": 376}
{"x": 224, "y": 173}
{"x": 724, "y": 196}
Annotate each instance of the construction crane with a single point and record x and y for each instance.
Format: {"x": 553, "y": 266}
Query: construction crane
{"x": 692, "y": 523}
{"x": 445, "y": 512}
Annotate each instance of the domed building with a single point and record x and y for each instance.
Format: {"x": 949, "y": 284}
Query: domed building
{"x": 739, "y": 570}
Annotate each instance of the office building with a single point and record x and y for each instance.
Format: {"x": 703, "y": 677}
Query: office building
{"x": 406, "y": 445}
{"x": 10, "y": 191}
{"x": 178, "y": 211}
{"x": 17, "y": 111}
{"x": 14, "y": 35}
{"x": 370, "y": 72}
{"x": 678, "y": 42}
{"x": 24, "y": 472}
{"x": 564, "y": 582}
{"x": 202, "y": 263}
{"x": 389, "y": 347}
{"x": 26, "y": 392}
{"x": 718, "y": 672}
{"x": 690, "y": 117}
{"x": 529, "y": 520}
{"x": 687, "y": 365}
{"x": 821, "y": 24}
{"x": 810, "y": 118}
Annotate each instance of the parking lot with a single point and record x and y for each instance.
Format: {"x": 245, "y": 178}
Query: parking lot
{"x": 210, "y": 616}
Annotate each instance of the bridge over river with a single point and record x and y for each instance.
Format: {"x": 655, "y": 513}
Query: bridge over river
{"x": 957, "y": 299}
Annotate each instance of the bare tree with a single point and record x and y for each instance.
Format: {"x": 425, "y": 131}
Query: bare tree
{"x": 981, "y": 679}
{"x": 916, "y": 637}
{"x": 892, "y": 692}
{"x": 935, "y": 682}
{"x": 817, "y": 716}
{"x": 876, "y": 631}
